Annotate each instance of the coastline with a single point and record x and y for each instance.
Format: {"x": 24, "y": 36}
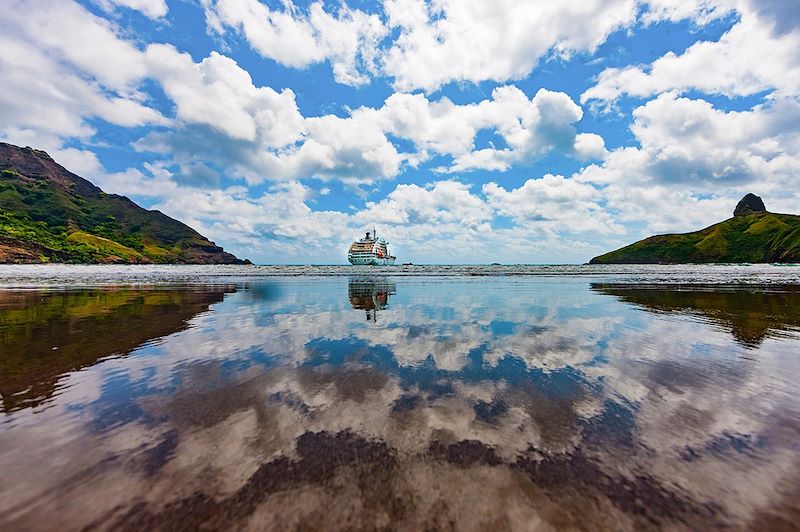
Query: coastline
{"x": 92, "y": 274}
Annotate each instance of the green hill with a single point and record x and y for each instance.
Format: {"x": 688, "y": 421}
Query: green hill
{"x": 752, "y": 235}
{"x": 48, "y": 214}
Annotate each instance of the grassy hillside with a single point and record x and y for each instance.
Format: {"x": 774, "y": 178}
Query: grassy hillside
{"x": 754, "y": 237}
{"x": 50, "y": 214}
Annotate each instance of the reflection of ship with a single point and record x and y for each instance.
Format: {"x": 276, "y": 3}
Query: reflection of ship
{"x": 370, "y": 250}
{"x": 371, "y": 295}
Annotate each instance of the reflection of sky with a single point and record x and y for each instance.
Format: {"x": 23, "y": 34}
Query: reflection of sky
{"x": 522, "y": 365}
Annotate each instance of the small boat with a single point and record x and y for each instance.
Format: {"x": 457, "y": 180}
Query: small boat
{"x": 370, "y": 250}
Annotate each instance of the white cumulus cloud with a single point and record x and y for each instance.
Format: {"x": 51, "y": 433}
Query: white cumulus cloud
{"x": 347, "y": 38}
{"x": 695, "y": 161}
{"x": 749, "y": 58}
{"x": 451, "y": 40}
{"x": 153, "y": 9}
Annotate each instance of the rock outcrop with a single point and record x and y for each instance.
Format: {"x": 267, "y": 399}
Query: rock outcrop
{"x": 748, "y": 205}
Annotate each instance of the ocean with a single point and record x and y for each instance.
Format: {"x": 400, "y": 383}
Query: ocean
{"x": 406, "y": 397}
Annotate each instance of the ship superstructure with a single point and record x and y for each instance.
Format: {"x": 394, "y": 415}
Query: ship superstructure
{"x": 370, "y": 250}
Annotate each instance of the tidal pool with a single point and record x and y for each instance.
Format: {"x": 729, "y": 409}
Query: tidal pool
{"x": 335, "y": 402}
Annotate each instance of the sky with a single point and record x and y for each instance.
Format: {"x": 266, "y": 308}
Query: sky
{"x": 512, "y": 131}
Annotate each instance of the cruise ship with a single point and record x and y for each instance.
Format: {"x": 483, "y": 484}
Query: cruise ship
{"x": 370, "y": 250}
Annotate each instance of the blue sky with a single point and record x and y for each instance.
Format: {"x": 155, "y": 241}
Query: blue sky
{"x": 505, "y": 131}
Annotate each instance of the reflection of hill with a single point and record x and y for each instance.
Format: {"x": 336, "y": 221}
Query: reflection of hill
{"x": 751, "y": 313}
{"x": 370, "y": 294}
{"x": 45, "y": 334}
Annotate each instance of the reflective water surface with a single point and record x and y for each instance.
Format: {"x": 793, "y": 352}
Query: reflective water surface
{"x": 335, "y": 402}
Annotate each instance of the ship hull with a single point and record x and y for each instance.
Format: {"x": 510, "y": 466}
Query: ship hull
{"x": 371, "y": 261}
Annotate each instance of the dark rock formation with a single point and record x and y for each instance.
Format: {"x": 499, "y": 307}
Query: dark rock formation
{"x": 748, "y": 205}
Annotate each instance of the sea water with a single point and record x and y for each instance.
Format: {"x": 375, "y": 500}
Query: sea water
{"x": 331, "y": 397}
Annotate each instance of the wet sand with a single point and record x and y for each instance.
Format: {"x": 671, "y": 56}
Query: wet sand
{"x": 341, "y": 403}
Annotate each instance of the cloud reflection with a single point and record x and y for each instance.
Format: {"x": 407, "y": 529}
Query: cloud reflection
{"x": 469, "y": 402}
